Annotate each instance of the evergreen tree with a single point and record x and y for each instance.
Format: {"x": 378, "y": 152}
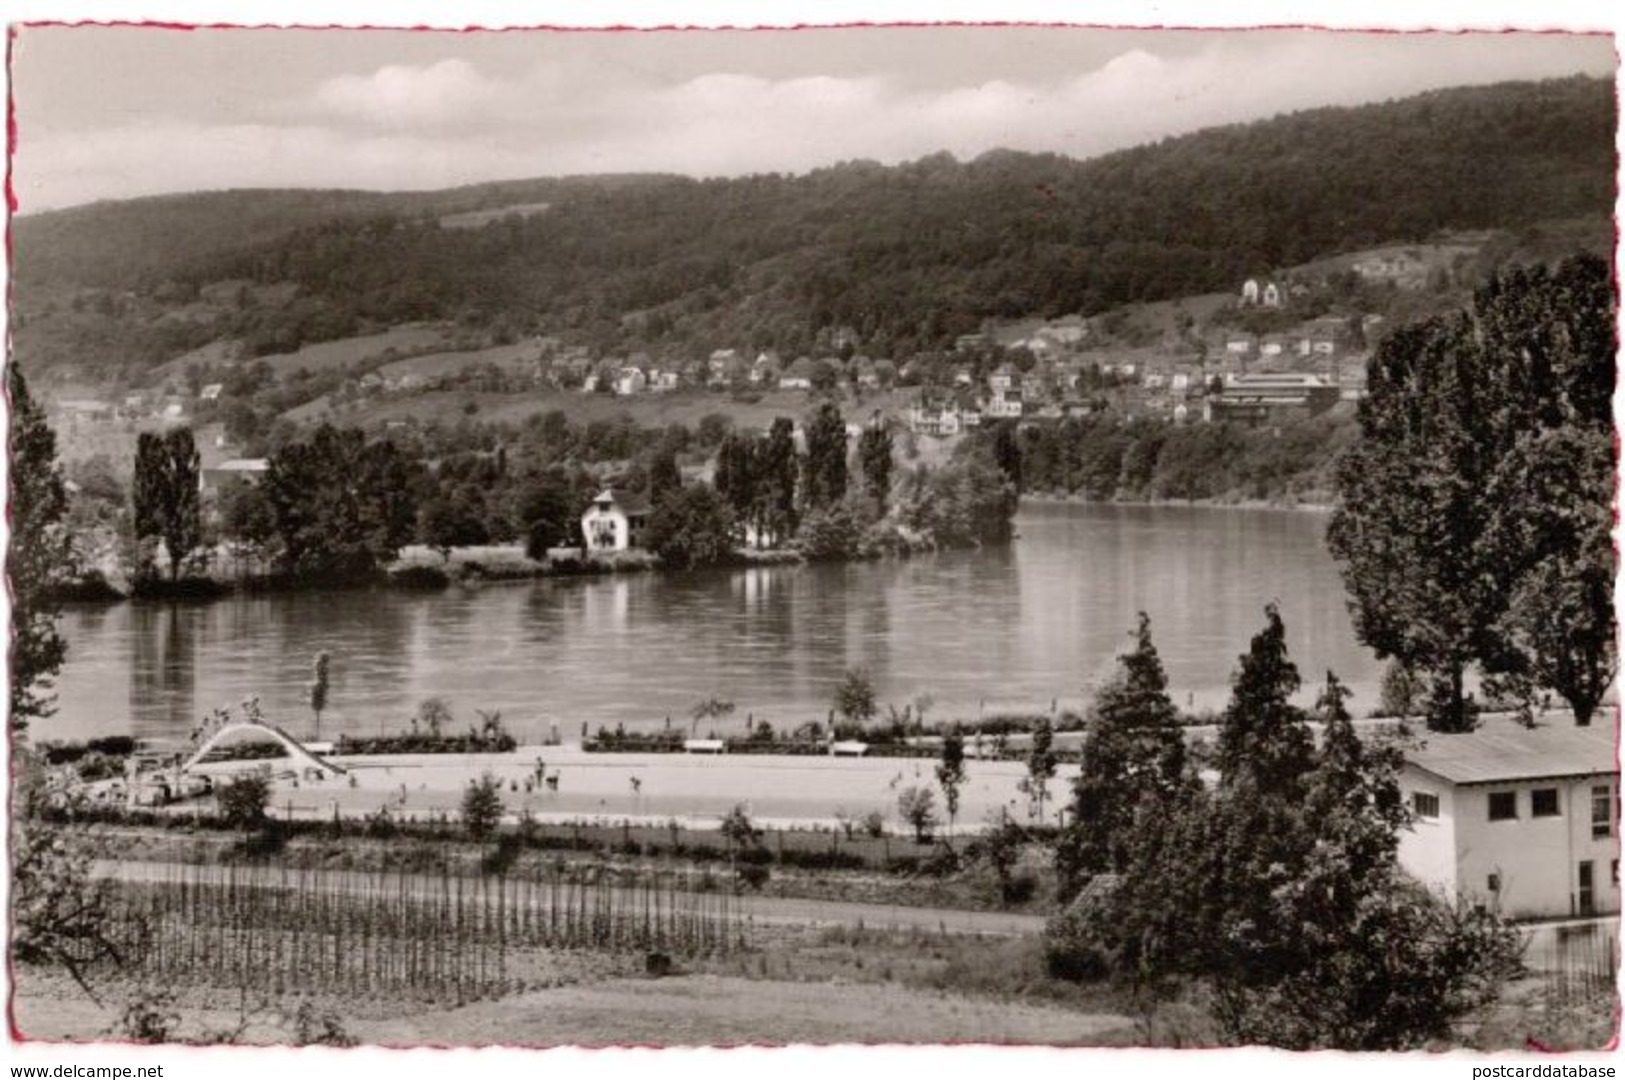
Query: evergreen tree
{"x": 166, "y": 494}
{"x": 1292, "y": 910}
{"x": 39, "y": 557}
{"x": 824, "y": 470}
{"x": 1133, "y": 759}
{"x": 1262, "y": 735}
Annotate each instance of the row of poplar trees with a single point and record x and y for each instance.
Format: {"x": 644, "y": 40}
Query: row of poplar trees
{"x": 1474, "y": 511}
{"x": 770, "y": 486}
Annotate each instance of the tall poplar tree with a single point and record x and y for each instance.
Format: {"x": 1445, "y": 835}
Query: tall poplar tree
{"x": 824, "y": 470}
{"x": 166, "y": 494}
{"x": 774, "y": 476}
{"x": 1470, "y": 488}
{"x": 874, "y": 460}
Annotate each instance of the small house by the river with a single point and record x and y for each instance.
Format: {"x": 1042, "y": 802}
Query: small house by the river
{"x": 614, "y": 522}
{"x": 1521, "y": 820}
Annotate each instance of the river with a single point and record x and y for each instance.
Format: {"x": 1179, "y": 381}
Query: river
{"x": 1029, "y": 626}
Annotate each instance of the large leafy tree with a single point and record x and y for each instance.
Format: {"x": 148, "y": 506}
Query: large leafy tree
{"x": 166, "y": 493}
{"x": 342, "y": 505}
{"x": 692, "y": 527}
{"x": 1411, "y": 512}
{"x": 548, "y": 509}
{"x": 1133, "y": 758}
{"x": 1550, "y": 529}
{"x": 39, "y": 556}
{"x": 1470, "y": 510}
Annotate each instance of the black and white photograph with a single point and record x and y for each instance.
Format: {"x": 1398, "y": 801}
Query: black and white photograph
{"x": 890, "y": 533}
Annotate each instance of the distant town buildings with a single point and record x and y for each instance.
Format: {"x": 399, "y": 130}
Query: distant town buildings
{"x": 1271, "y": 399}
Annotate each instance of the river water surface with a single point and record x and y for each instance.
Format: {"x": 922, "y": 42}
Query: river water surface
{"x": 1031, "y": 625}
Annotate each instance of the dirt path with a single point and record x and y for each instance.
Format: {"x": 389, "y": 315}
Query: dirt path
{"x": 766, "y": 910}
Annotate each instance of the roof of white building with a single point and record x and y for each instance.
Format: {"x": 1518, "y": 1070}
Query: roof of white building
{"x": 1504, "y": 751}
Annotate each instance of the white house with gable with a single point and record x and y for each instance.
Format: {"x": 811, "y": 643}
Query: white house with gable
{"x": 614, "y": 522}
{"x": 1521, "y": 820}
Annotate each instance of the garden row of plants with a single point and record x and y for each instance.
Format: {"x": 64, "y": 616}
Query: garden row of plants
{"x": 450, "y": 937}
{"x": 472, "y": 742}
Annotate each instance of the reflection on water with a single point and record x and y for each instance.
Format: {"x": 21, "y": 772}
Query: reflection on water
{"x": 1035, "y": 623}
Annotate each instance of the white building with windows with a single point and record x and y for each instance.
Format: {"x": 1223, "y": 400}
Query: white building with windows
{"x": 614, "y": 522}
{"x": 1522, "y": 820}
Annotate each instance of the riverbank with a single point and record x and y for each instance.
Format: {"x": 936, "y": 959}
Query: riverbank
{"x": 421, "y": 568}
{"x": 1051, "y": 499}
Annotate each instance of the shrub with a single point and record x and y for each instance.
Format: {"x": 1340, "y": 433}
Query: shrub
{"x": 501, "y": 859}
{"x": 264, "y": 842}
{"x": 243, "y": 799}
{"x": 381, "y": 825}
{"x": 1076, "y": 941}
{"x": 754, "y": 874}
{"x": 917, "y": 806}
{"x": 482, "y": 806}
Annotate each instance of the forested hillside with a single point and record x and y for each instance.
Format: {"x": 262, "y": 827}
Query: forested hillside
{"x": 904, "y": 258}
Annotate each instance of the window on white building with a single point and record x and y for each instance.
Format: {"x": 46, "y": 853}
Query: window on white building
{"x": 1543, "y": 802}
{"x": 1503, "y": 805}
{"x": 1602, "y": 818}
{"x": 1425, "y": 805}
{"x": 1494, "y": 883}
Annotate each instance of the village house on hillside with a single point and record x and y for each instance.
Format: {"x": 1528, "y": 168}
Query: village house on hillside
{"x": 614, "y": 522}
{"x": 1520, "y": 820}
{"x": 799, "y": 375}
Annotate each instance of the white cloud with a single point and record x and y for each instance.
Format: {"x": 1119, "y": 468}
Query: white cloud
{"x": 400, "y": 97}
{"x": 448, "y": 122}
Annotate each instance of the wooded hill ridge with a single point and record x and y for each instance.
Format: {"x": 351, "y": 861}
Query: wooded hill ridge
{"x": 897, "y": 259}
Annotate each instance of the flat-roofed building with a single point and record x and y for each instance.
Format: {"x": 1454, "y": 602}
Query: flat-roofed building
{"x": 1271, "y": 398}
{"x": 1522, "y": 820}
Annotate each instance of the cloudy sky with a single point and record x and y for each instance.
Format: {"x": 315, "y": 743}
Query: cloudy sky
{"x": 117, "y": 112}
